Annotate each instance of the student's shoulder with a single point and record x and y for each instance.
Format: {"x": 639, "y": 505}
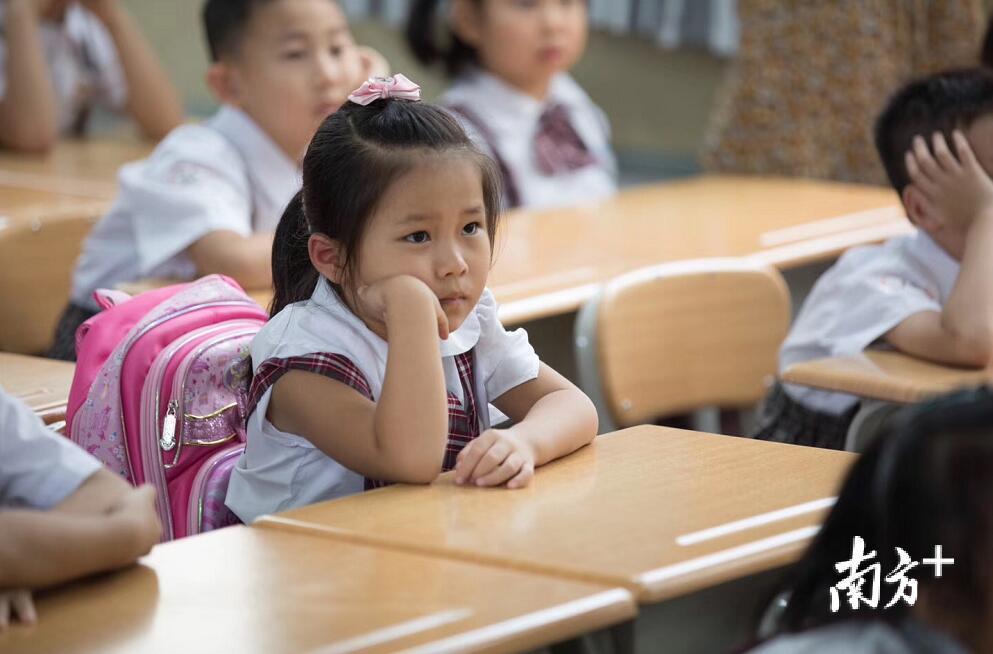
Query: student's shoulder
{"x": 891, "y": 256}
{"x": 306, "y": 327}
{"x": 191, "y": 156}
{"x": 197, "y": 142}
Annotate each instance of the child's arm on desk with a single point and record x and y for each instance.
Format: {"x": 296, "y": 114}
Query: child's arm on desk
{"x": 553, "y": 418}
{"x": 960, "y": 192}
{"x": 28, "y": 117}
{"x": 103, "y": 526}
{"x": 246, "y": 259}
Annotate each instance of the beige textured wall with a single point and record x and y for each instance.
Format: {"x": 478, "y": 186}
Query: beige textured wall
{"x": 657, "y": 101}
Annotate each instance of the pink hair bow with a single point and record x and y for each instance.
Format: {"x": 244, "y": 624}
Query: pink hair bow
{"x": 377, "y": 88}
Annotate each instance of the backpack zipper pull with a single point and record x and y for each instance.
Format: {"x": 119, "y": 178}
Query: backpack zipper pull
{"x": 168, "y": 440}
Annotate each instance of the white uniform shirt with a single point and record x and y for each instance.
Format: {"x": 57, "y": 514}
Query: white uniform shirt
{"x": 512, "y": 118}
{"x": 868, "y": 292}
{"x": 82, "y": 63}
{"x": 38, "y": 468}
{"x": 225, "y": 174}
{"x": 279, "y": 470}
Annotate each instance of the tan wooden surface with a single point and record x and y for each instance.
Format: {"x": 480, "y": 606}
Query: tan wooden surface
{"x": 884, "y": 375}
{"x": 254, "y": 590}
{"x": 549, "y": 263}
{"x": 28, "y": 205}
{"x": 677, "y": 337}
{"x": 77, "y": 167}
{"x": 42, "y": 384}
{"x": 37, "y": 259}
{"x": 621, "y": 511}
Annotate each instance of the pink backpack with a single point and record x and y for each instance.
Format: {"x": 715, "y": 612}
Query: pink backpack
{"x": 159, "y": 394}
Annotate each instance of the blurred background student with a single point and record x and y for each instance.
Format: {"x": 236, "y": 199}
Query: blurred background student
{"x": 511, "y": 88}
{"x": 59, "y": 59}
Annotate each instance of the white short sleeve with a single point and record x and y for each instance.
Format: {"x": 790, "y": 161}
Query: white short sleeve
{"x": 505, "y": 359}
{"x": 38, "y": 468}
{"x": 858, "y": 302}
{"x": 194, "y": 186}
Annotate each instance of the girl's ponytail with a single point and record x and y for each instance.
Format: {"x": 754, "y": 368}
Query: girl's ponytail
{"x": 293, "y": 276}
{"x": 423, "y": 39}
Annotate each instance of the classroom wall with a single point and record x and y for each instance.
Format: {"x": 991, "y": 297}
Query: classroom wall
{"x": 658, "y": 107}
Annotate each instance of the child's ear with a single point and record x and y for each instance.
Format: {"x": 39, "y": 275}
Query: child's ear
{"x": 921, "y": 212}
{"x": 464, "y": 18}
{"x": 328, "y": 256}
{"x": 222, "y": 80}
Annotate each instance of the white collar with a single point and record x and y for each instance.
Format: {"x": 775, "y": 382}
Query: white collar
{"x": 506, "y": 106}
{"x": 460, "y": 341}
{"x": 273, "y": 173}
{"x": 927, "y": 249}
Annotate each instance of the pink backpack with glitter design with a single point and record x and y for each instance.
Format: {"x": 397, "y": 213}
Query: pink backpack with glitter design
{"x": 159, "y": 394}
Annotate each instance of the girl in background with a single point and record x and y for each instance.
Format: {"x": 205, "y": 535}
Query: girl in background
{"x": 510, "y": 63}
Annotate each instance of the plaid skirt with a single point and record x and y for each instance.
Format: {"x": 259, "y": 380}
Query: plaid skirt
{"x": 64, "y": 344}
{"x": 784, "y": 420}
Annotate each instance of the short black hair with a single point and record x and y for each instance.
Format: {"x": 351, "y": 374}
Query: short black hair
{"x": 224, "y": 23}
{"x": 942, "y": 102}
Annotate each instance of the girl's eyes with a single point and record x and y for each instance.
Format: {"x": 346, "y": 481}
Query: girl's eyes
{"x": 294, "y": 54}
{"x": 422, "y": 236}
{"x": 336, "y": 50}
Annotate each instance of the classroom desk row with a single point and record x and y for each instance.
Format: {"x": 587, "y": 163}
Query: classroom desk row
{"x": 42, "y": 384}
{"x": 647, "y": 516}
{"x": 885, "y": 375}
{"x": 548, "y": 263}
{"x": 82, "y": 168}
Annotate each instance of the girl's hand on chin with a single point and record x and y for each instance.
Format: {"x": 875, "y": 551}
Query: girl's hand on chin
{"x": 375, "y": 301}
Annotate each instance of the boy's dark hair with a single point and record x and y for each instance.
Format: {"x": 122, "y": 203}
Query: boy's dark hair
{"x": 356, "y": 154}
{"x": 431, "y": 42}
{"x": 224, "y": 23}
{"x": 942, "y": 102}
{"x": 925, "y": 481}
{"x": 986, "y": 52}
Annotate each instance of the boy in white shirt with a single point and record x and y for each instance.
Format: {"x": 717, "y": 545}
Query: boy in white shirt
{"x": 62, "y": 515}
{"x": 209, "y": 198}
{"x": 59, "y": 58}
{"x": 930, "y": 293}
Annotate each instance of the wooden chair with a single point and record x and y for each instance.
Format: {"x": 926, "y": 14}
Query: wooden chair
{"x": 37, "y": 257}
{"x": 679, "y": 337}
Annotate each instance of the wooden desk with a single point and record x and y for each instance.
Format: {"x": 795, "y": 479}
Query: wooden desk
{"x": 77, "y": 167}
{"x": 550, "y": 262}
{"x": 24, "y": 205}
{"x": 653, "y": 509}
{"x": 253, "y": 590}
{"x": 884, "y": 375}
{"x": 43, "y": 384}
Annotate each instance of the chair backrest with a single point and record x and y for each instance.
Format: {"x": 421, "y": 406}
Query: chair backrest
{"x": 680, "y": 336}
{"x": 37, "y": 258}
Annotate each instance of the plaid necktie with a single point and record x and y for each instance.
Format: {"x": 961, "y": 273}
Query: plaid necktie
{"x": 557, "y": 147}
